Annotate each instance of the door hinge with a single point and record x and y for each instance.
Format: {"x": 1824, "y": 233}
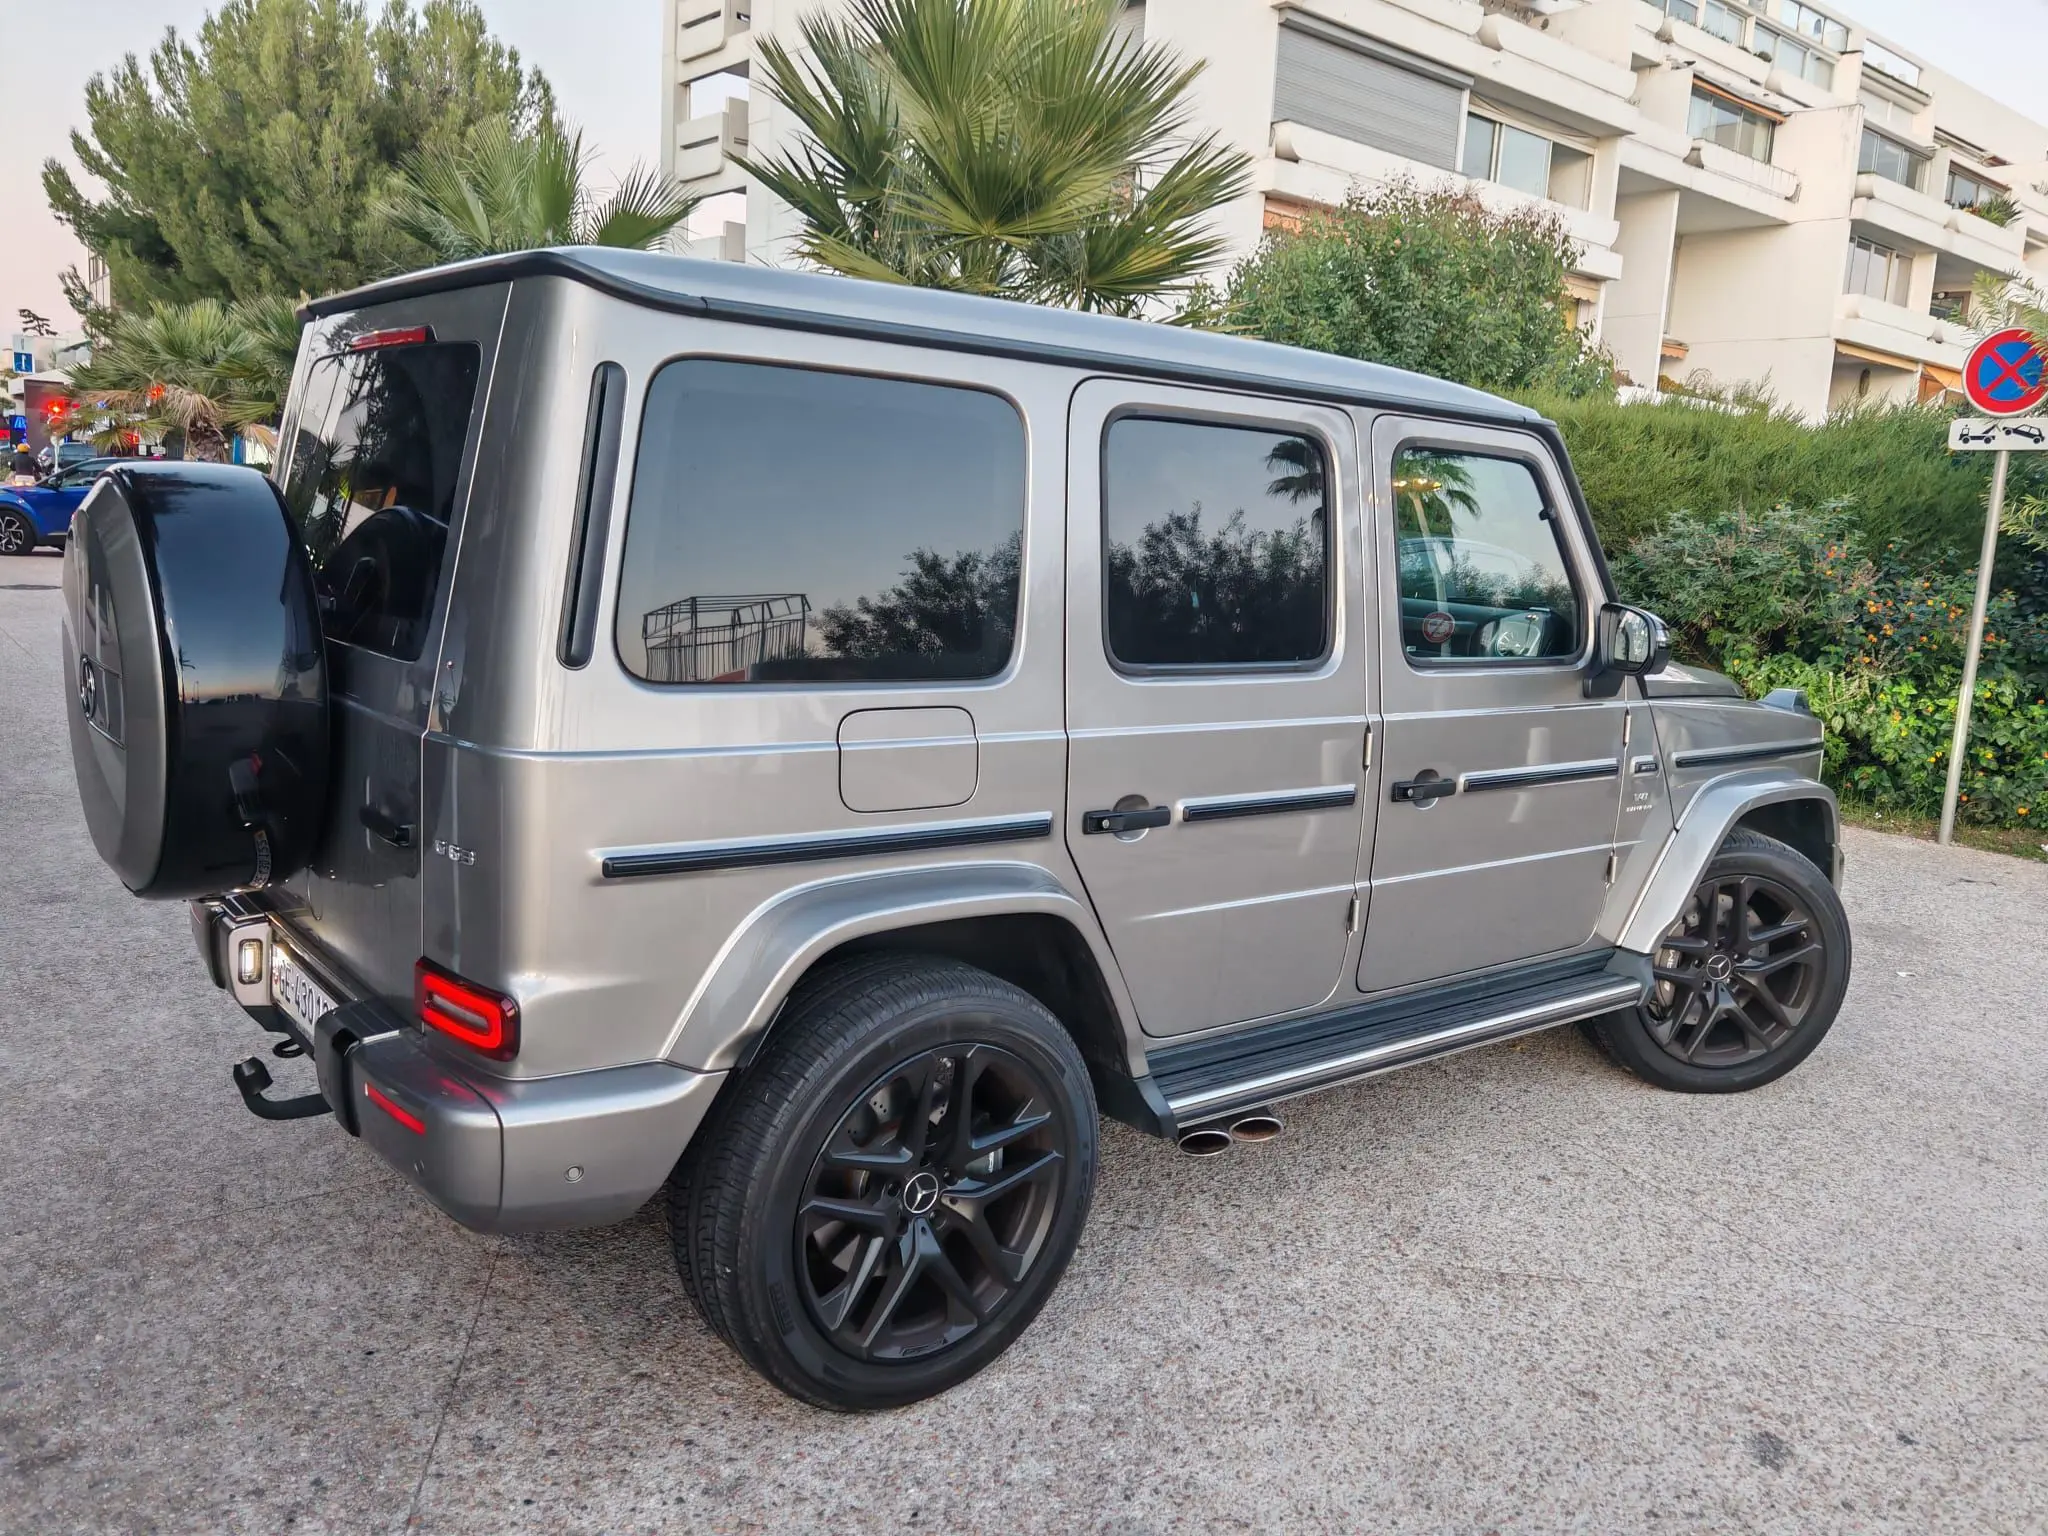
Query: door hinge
{"x": 1628, "y": 720}
{"x": 1351, "y": 916}
{"x": 1613, "y": 866}
{"x": 1367, "y": 763}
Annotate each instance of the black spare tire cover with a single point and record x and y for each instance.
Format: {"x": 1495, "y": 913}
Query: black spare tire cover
{"x": 197, "y": 679}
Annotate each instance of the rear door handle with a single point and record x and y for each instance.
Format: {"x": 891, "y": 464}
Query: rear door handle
{"x": 1424, "y": 791}
{"x": 397, "y": 833}
{"x": 1126, "y": 821}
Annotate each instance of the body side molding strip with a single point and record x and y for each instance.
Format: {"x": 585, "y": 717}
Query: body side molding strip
{"x": 1327, "y": 797}
{"x": 1550, "y": 773}
{"x": 696, "y": 858}
{"x": 1700, "y": 756}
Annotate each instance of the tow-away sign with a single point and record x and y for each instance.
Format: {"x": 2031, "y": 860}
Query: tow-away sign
{"x": 1981, "y": 434}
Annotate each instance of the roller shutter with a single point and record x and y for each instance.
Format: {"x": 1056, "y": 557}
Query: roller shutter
{"x": 1340, "y": 83}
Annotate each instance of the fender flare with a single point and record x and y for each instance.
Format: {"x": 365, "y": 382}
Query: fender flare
{"x": 1711, "y": 814}
{"x": 769, "y": 952}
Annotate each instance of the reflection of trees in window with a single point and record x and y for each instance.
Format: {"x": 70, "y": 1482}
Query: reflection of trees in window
{"x": 1298, "y": 466}
{"x": 947, "y": 616}
{"x": 1235, "y": 594}
{"x": 1431, "y": 491}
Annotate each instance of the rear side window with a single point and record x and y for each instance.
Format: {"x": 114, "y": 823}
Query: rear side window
{"x": 789, "y": 525}
{"x": 1483, "y": 575}
{"x": 1216, "y": 545}
{"x": 370, "y": 474}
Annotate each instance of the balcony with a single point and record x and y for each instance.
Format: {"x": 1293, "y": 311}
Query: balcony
{"x": 706, "y": 145}
{"x": 1920, "y": 221}
{"x": 1771, "y": 180}
{"x": 705, "y": 26}
{"x": 1898, "y": 331}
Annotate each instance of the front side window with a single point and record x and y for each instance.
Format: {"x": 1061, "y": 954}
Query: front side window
{"x": 370, "y": 475}
{"x": 1482, "y": 571}
{"x": 1881, "y": 156}
{"x": 1877, "y": 271}
{"x": 1216, "y": 545}
{"x": 1731, "y": 125}
{"x": 789, "y": 525}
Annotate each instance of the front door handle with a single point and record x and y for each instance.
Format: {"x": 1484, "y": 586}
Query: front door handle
{"x": 1424, "y": 791}
{"x": 1126, "y": 821}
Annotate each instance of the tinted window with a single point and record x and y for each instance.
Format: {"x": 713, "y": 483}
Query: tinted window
{"x": 1216, "y": 545}
{"x": 370, "y": 474}
{"x": 1482, "y": 575}
{"x": 789, "y": 525}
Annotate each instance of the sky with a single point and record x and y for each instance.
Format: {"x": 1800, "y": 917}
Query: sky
{"x": 605, "y": 65}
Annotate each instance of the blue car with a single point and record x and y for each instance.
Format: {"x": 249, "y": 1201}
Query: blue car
{"x": 41, "y": 513}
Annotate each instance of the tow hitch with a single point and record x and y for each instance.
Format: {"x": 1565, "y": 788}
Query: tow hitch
{"x": 252, "y": 1077}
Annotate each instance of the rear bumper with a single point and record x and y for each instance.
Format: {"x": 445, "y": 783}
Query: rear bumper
{"x": 497, "y": 1154}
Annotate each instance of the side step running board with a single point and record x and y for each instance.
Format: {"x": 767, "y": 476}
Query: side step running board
{"x": 1208, "y": 1078}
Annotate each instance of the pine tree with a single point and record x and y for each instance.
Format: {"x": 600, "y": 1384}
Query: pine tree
{"x": 253, "y": 159}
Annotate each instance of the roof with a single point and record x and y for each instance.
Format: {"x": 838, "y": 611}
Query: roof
{"x": 959, "y": 322}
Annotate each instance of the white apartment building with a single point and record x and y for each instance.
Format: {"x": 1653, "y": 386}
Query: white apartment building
{"x": 1762, "y": 191}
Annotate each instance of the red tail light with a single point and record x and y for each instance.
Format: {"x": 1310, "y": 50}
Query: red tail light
{"x": 404, "y": 336}
{"x": 394, "y": 1109}
{"x": 483, "y": 1020}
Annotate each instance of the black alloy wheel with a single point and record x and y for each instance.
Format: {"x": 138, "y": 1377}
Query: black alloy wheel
{"x": 1747, "y": 980}
{"x": 1737, "y": 974}
{"x": 884, "y": 1197}
{"x": 930, "y": 1202}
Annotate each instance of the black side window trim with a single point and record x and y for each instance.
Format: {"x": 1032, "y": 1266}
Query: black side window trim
{"x": 1333, "y": 516}
{"x": 1540, "y": 467}
{"x": 583, "y": 588}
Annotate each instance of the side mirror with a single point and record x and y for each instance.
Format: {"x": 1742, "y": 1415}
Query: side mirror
{"x": 1628, "y": 642}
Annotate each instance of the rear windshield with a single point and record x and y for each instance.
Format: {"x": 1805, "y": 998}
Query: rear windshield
{"x": 370, "y": 474}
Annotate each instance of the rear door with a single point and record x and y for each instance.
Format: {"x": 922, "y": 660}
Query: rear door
{"x": 375, "y": 461}
{"x": 1502, "y": 779}
{"x": 1216, "y": 692}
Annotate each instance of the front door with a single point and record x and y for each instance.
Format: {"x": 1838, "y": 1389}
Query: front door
{"x": 1215, "y": 695}
{"x": 1502, "y": 780}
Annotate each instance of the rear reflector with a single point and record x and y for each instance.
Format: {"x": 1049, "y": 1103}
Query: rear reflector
{"x": 398, "y": 1112}
{"x": 479, "y": 1018}
{"x": 404, "y": 336}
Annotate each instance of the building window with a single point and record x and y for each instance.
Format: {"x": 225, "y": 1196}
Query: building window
{"x": 1795, "y": 58}
{"x": 1877, "y": 56}
{"x": 1886, "y": 157}
{"x": 1329, "y": 78}
{"x": 1810, "y": 23}
{"x": 1731, "y": 125}
{"x": 1883, "y": 112}
{"x": 1878, "y": 272}
{"x": 1966, "y": 191}
{"x": 1723, "y": 21}
{"x": 1683, "y": 10}
{"x": 1528, "y": 162}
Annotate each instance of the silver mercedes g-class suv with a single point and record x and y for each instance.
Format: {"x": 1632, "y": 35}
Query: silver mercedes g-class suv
{"x": 802, "y": 748}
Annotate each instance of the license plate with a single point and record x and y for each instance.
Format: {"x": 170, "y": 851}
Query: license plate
{"x": 295, "y": 993}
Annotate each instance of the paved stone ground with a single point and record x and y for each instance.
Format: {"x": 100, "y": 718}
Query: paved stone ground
{"x": 1516, "y": 1291}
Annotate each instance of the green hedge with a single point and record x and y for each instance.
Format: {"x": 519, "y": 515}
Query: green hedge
{"x": 1890, "y": 468}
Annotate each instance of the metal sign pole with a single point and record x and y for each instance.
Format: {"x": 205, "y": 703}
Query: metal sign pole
{"x": 1973, "y": 651}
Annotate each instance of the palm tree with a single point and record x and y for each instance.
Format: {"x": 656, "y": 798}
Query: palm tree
{"x": 512, "y": 190}
{"x": 1023, "y": 148}
{"x": 199, "y": 374}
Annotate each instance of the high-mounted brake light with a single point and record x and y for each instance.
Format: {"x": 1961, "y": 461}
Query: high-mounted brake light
{"x": 404, "y": 336}
{"x": 483, "y": 1020}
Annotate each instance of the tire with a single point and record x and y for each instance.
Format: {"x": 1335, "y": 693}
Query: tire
{"x": 825, "y": 1113}
{"x": 17, "y": 533}
{"x": 1739, "y": 1002}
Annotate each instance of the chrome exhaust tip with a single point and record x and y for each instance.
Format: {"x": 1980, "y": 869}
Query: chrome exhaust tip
{"x": 1205, "y": 1141}
{"x": 1257, "y": 1125}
